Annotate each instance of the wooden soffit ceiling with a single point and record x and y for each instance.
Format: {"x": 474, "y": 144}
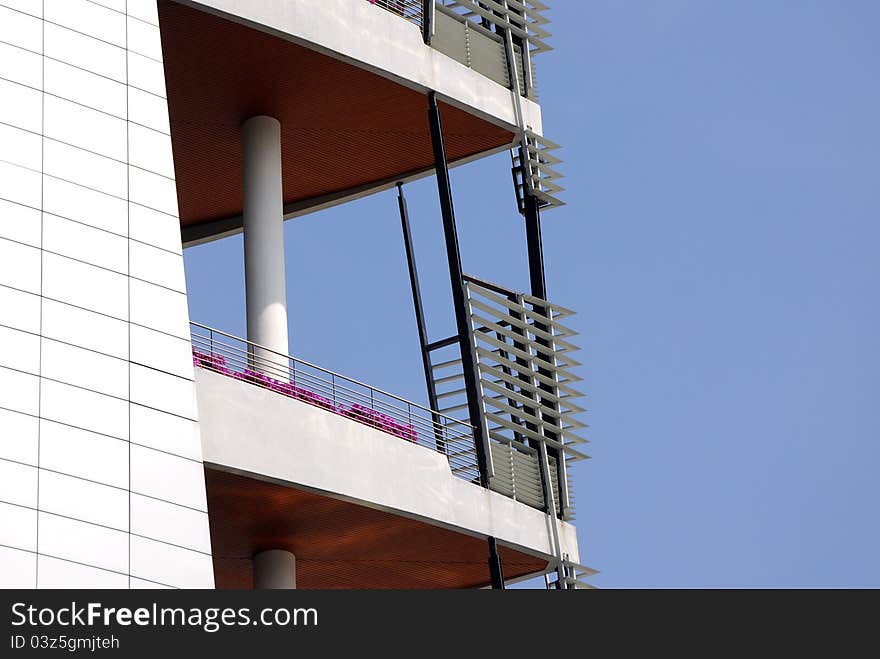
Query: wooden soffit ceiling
{"x": 340, "y": 544}
{"x": 343, "y": 127}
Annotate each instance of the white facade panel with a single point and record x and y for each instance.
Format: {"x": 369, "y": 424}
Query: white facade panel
{"x": 146, "y": 74}
{"x": 18, "y": 484}
{"x": 162, "y": 391}
{"x": 87, "y": 17}
{"x": 19, "y": 184}
{"x": 19, "y": 392}
{"x": 22, "y": 147}
{"x": 84, "y": 454}
{"x": 85, "y": 543}
{"x": 84, "y": 328}
{"x": 85, "y": 168}
{"x": 84, "y": 205}
{"x": 150, "y": 150}
{"x": 18, "y": 527}
{"x": 84, "y": 127}
{"x": 84, "y": 243}
{"x": 160, "y": 308}
{"x": 143, "y": 584}
{"x": 84, "y": 368}
{"x": 118, "y": 5}
{"x": 85, "y": 285}
{"x": 154, "y": 228}
{"x": 32, "y": 7}
{"x": 19, "y": 350}
{"x": 144, "y": 39}
{"x": 170, "y": 523}
{"x": 85, "y": 52}
{"x": 179, "y": 484}
{"x": 82, "y": 500}
{"x": 20, "y": 65}
{"x": 165, "y": 432}
{"x": 162, "y": 352}
{"x": 83, "y": 409}
{"x": 148, "y": 110}
{"x": 21, "y": 107}
{"x": 84, "y": 87}
{"x": 19, "y": 264}
{"x": 57, "y": 573}
{"x": 20, "y": 310}
{"x": 20, "y": 223}
{"x": 19, "y": 29}
{"x": 18, "y": 568}
{"x": 144, "y": 10}
{"x": 19, "y": 439}
{"x": 172, "y": 566}
{"x": 152, "y": 190}
{"x": 157, "y": 266}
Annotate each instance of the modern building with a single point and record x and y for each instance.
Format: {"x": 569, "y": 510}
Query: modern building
{"x": 141, "y": 449}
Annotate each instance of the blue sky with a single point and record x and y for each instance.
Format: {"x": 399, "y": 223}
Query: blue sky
{"x": 720, "y": 242}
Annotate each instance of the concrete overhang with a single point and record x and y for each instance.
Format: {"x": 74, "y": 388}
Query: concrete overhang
{"x": 283, "y": 473}
{"x": 346, "y": 79}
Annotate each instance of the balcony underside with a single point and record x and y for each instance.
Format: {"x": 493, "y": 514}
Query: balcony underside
{"x": 340, "y": 544}
{"x": 345, "y": 129}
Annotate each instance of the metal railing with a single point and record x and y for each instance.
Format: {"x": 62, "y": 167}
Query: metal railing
{"x": 248, "y": 362}
{"x": 411, "y": 10}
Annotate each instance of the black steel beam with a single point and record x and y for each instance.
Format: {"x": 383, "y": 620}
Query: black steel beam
{"x": 532, "y": 213}
{"x": 456, "y": 279}
{"x": 420, "y": 316}
{"x": 442, "y": 343}
{"x": 496, "y": 569}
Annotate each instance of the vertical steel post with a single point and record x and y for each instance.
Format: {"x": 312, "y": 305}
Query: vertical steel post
{"x": 532, "y": 214}
{"x": 427, "y": 20}
{"x": 496, "y": 569}
{"x": 420, "y": 316}
{"x": 456, "y": 278}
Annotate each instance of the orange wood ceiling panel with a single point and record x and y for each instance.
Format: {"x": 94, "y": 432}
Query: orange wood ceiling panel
{"x": 339, "y": 544}
{"x": 342, "y": 126}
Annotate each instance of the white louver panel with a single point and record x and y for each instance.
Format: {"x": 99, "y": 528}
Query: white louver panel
{"x": 524, "y": 18}
{"x": 517, "y": 474}
{"x": 542, "y": 177}
{"x": 524, "y": 361}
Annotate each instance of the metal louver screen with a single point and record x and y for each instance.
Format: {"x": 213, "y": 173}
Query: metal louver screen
{"x": 524, "y": 18}
{"x": 524, "y": 361}
{"x": 517, "y": 474}
{"x": 471, "y": 44}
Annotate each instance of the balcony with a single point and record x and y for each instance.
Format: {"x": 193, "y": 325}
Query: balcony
{"x": 238, "y": 359}
{"x": 347, "y": 475}
{"x": 517, "y": 474}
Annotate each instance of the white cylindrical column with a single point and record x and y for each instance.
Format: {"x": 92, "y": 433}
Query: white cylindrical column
{"x": 274, "y": 569}
{"x": 265, "y": 288}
